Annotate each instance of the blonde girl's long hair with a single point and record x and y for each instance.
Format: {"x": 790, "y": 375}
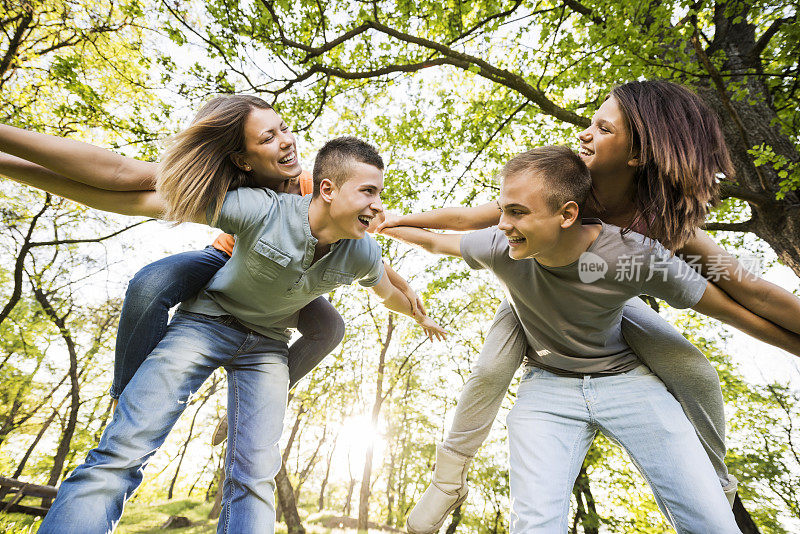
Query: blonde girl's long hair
{"x": 682, "y": 154}
{"x": 196, "y": 169}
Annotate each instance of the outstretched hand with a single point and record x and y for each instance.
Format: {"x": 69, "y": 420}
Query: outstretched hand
{"x": 432, "y": 328}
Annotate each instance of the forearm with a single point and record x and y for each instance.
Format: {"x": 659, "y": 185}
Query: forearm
{"x": 717, "y": 304}
{"x": 754, "y": 293}
{"x": 434, "y": 243}
{"x": 396, "y": 301}
{"x": 456, "y": 218}
{"x": 767, "y": 300}
{"x": 397, "y": 281}
{"x": 146, "y": 203}
{"x": 78, "y": 161}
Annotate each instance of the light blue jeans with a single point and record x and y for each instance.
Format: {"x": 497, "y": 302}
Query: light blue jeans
{"x": 554, "y": 421}
{"x": 91, "y": 499}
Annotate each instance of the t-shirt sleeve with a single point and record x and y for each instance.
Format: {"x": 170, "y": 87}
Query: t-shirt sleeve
{"x": 670, "y": 278}
{"x": 242, "y": 209}
{"x": 374, "y": 259}
{"x": 479, "y": 248}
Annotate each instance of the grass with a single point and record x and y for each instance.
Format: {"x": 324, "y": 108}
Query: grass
{"x": 147, "y": 518}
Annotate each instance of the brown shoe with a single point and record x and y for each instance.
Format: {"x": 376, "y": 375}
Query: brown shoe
{"x": 220, "y": 432}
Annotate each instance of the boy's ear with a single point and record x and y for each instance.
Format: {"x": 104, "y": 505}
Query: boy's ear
{"x": 238, "y": 160}
{"x": 326, "y": 189}
{"x": 569, "y": 214}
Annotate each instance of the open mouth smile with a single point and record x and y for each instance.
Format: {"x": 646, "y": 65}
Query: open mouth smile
{"x": 365, "y": 220}
{"x": 582, "y": 151}
{"x": 288, "y": 160}
{"x": 515, "y": 241}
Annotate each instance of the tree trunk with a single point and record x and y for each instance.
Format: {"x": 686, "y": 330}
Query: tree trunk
{"x": 743, "y": 519}
{"x": 186, "y": 444}
{"x": 348, "y": 502}
{"x": 321, "y": 500}
{"x": 279, "y": 509}
{"x": 216, "y": 508}
{"x": 363, "y": 499}
{"x": 451, "y": 528}
{"x": 72, "y": 420}
{"x": 390, "y": 489}
{"x": 288, "y": 503}
{"x": 586, "y": 513}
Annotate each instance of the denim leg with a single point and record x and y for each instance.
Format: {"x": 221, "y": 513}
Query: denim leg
{"x": 257, "y": 393}
{"x": 91, "y": 499}
{"x": 322, "y": 329}
{"x": 155, "y": 289}
{"x": 636, "y": 410}
{"x": 686, "y": 373}
{"x": 483, "y": 394}
{"x": 549, "y": 433}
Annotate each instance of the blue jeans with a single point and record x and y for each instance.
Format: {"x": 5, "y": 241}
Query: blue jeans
{"x": 159, "y": 286}
{"x": 554, "y": 421}
{"x": 91, "y": 499}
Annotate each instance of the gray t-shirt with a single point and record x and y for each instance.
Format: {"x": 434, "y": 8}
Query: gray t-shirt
{"x": 270, "y": 277}
{"x": 572, "y": 315}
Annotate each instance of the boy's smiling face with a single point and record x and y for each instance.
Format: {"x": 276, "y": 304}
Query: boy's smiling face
{"x": 357, "y": 201}
{"x": 532, "y": 227}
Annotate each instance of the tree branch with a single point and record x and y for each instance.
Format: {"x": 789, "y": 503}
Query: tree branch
{"x": 747, "y": 226}
{"x": 16, "y": 40}
{"x": 729, "y": 189}
{"x": 490, "y": 72}
{"x": 93, "y": 240}
{"x": 577, "y": 7}
{"x": 451, "y": 57}
{"x": 486, "y": 21}
{"x": 19, "y": 265}
{"x": 768, "y": 34}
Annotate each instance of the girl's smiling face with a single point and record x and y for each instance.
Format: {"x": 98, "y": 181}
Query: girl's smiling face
{"x": 270, "y": 153}
{"x": 605, "y": 146}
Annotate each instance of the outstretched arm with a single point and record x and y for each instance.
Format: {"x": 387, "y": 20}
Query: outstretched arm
{"x": 417, "y": 307}
{"x": 753, "y": 292}
{"x": 145, "y": 203}
{"x": 717, "y": 304}
{"x": 80, "y": 162}
{"x": 395, "y": 300}
{"x": 457, "y": 219}
{"x": 449, "y": 244}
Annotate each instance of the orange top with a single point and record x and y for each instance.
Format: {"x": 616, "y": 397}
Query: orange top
{"x": 306, "y": 183}
{"x": 225, "y": 242}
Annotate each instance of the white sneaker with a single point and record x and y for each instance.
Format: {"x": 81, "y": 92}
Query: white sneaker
{"x": 445, "y": 494}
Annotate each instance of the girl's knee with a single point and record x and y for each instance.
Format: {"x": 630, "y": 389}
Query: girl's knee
{"x": 319, "y": 321}
{"x": 490, "y": 377}
{"x": 147, "y": 285}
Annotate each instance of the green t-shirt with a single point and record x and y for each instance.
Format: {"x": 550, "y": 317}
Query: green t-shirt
{"x": 270, "y": 277}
